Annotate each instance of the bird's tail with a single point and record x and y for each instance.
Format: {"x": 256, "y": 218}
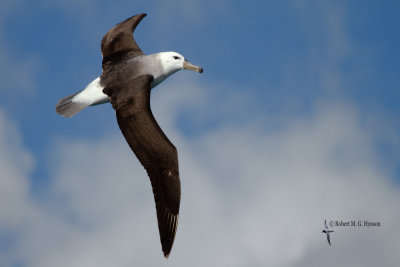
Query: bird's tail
{"x": 91, "y": 95}
{"x": 69, "y": 106}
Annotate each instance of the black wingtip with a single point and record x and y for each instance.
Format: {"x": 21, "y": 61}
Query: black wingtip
{"x": 167, "y": 233}
{"x": 136, "y": 19}
{"x": 139, "y": 17}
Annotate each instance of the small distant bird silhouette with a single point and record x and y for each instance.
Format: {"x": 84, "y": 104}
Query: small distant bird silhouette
{"x": 327, "y": 232}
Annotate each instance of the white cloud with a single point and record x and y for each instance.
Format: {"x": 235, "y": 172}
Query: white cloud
{"x": 250, "y": 197}
{"x": 15, "y": 206}
{"x": 15, "y": 164}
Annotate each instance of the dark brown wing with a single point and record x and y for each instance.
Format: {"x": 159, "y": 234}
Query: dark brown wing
{"x": 119, "y": 40}
{"x": 153, "y": 149}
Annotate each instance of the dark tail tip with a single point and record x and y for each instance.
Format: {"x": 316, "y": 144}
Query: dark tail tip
{"x": 66, "y": 107}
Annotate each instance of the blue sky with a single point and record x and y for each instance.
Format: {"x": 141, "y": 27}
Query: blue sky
{"x": 294, "y": 121}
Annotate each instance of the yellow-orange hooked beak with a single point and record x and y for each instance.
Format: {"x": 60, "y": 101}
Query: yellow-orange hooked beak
{"x": 189, "y": 66}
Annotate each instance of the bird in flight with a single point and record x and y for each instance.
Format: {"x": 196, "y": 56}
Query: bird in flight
{"x": 327, "y": 232}
{"x": 126, "y": 81}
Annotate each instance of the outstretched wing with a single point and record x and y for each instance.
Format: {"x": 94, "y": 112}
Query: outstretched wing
{"x": 153, "y": 149}
{"x": 119, "y": 40}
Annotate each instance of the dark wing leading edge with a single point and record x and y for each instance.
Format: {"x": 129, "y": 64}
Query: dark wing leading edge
{"x": 153, "y": 149}
{"x": 119, "y": 40}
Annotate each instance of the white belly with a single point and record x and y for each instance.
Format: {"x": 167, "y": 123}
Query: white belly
{"x": 92, "y": 94}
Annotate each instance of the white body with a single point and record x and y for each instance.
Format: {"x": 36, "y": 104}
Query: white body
{"x": 92, "y": 94}
{"x": 160, "y": 66}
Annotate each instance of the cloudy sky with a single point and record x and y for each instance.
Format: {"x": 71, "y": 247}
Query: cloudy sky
{"x": 293, "y": 122}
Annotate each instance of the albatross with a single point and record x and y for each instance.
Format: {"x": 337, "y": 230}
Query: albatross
{"x": 128, "y": 75}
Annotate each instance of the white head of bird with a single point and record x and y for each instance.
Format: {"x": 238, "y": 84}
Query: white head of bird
{"x": 173, "y": 61}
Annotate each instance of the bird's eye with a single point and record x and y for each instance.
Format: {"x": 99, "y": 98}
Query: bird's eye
{"x": 176, "y": 57}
